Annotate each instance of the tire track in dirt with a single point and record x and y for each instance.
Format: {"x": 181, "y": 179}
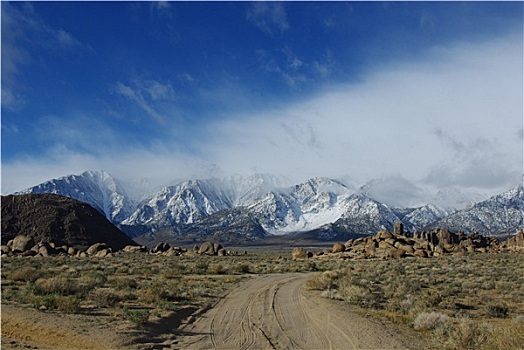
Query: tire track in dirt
{"x": 276, "y": 312}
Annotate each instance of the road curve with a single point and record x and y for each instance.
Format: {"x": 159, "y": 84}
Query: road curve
{"x": 275, "y": 312}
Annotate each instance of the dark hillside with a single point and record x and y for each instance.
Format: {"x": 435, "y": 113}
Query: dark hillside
{"x": 58, "y": 219}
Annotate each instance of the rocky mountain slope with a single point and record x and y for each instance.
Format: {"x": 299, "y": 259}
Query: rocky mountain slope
{"x": 62, "y": 220}
{"x": 261, "y": 205}
{"x": 500, "y": 214}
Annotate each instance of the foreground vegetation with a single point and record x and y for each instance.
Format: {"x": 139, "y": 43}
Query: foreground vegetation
{"x": 133, "y": 286}
{"x": 459, "y": 302}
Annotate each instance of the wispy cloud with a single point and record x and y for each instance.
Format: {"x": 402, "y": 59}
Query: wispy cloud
{"x": 22, "y": 30}
{"x": 447, "y": 120}
{"x": 144, "y": 93}
{"x": 470, "y": 94}
{"x": 269, "y": 17}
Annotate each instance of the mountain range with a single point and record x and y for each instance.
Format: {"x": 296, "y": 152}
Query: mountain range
{"x": 261, "y": 205}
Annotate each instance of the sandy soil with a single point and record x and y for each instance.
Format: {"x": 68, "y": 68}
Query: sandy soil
{"x": 275, "y": 312}
{"x": 33, "y": 329}
{"x": 263, "y": 312}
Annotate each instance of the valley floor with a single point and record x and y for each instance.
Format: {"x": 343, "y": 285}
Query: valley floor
{"x": 264, "y": 312}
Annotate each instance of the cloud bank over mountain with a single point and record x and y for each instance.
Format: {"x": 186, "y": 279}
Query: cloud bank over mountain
{"x": 446, "y": 113}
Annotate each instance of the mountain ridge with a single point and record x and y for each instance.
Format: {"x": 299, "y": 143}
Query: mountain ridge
{"x": 267, "y": 207}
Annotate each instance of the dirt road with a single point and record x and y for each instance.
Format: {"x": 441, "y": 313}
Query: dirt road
{"x": 275, "y": 312}
{"x": 263, "y": 312}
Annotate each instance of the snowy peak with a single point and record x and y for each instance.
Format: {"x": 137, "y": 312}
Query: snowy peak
{"x": 423, "y": 216}
{"x": 97, "y": 188}
{"x": 303, "y": 207}
{"x": 500, "y": 214}
{"x": 183, "y": 204}
{"x": 268, "y": 205}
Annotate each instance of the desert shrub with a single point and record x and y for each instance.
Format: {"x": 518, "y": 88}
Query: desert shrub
{"x": 153, "y": 293}
{"x": 201, "y": 267}
{"x": 406, "y": 304}
{"x": 56, "y": 285}
{"x": 45, "y": 301}
{"x": 26, "y": 274}
{"x": 518, "y": 319}
{"x": 217, "y": 269}
{"x": 506, "y": 335}
{"x": 240, "y": 268}
{"x": 331, "y": 294}
{"x": 67, "y": 303}
{"x": 496, "y": 311}
{"x": 125, "y": 283}
{"x": 105, "y": 297}
{"x": 311, "y": 266}
{"x": 429, "y": 320}
{"x": 96, "y": 278}
{"x": 465, "y": 335}
{"x": 137, "y": 316}
{"x": 321, "y": 281}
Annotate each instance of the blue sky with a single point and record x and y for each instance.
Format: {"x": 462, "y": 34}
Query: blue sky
{"x": 430, "y": 92}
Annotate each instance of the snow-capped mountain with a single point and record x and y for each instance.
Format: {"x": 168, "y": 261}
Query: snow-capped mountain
{"x": 363, "y": 214}
{"x": 422, "y": 216}
{"x": 259, "y": 205}
{"x": 185, "y": 203}
{"x": 97, "y": 188}
{"x": 303, "y": 207}
{"x": 500, "y": 214}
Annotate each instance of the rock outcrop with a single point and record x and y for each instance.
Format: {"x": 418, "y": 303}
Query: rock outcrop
{"x": 400, "y": 244}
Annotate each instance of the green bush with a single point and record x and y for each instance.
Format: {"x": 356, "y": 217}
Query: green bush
{"x": 137, "y": 316}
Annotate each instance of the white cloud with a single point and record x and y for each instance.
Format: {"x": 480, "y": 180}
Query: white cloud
{"x": 386, "y": 124}
{"x": 269, "y": 17}
{"x": 145, "y": 93}
{"x": 448, "y": 120}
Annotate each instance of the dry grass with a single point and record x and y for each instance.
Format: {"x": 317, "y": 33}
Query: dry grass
{"x": 125, "y": 285}
{"x": 463, "y": 302}
{"x": 467, "y": 302}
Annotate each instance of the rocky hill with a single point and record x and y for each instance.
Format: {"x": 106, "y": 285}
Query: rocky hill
{"x": 58, "y": 219}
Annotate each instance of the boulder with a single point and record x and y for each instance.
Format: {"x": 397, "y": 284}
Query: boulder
{"x": 206, "y": 248}
{"x": 95, "y": 248}
{"x": 421, "y": 253}
{"x": 446, "y": 237}
{"x": 103, "y": 252}
{"x": 44, "y": 250}
{"x": 386, "y": 245}
{"x": 338, "y": 248}
{"x": 395, "y": 253}
{"x": 5, "y": 249}
{"x": 22, "y": 244}
{"x": 160, "y": 248}
{"x": 384, "y": 234}
{"x": 216, "y": 247}
{"x": 407, "y": 248}
{"x": 398, "y": 229}
{"x": 299, "y": 254}
{"x": 134, "y": 249}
